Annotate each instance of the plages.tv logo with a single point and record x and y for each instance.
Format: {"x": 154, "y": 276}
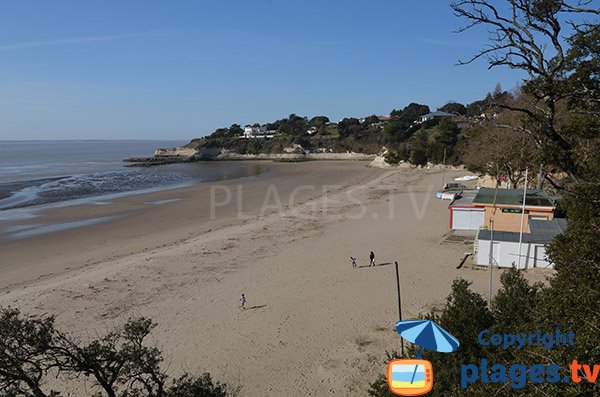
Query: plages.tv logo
{"x": 407, "y": 377}
{"x": 414, "y": 377}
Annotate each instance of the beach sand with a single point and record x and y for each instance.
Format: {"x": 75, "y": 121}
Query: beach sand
{"x": 313, "y": 324}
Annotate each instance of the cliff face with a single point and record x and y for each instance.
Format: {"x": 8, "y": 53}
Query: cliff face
{"x": 295, "y": 152}
{"x": 187, "y": 154}
{"x": 175, "y": 152}
{"x": 227, "y": 155}
{"x": 164, "y": 156}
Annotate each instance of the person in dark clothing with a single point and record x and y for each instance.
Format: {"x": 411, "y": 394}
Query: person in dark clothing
{"x": 372, "y": 259}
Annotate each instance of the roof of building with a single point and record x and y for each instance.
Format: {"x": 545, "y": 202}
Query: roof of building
{"x": 547, "y": 230}
{"x": 465, "y": 199}
{"x": 534, "y": 197}
{"x": 542, "y": 232}
{"x": 438, "y": 114}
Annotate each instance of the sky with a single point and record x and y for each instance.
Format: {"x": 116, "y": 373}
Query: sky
{"x": 149, "y": 69}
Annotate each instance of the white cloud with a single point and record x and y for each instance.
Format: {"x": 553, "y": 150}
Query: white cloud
{"x": 67, "y": 41}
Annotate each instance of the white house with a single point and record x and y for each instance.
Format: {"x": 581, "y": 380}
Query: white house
{"x": 257, "y": 132}
{"x": 505, "y": 251}
{"x": 435, "y": 115}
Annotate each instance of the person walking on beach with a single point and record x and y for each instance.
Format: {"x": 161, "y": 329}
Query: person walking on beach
{"x": 353, "y": 259}
{"x": 372, "y": 259}
{"x": 242, "y": 302}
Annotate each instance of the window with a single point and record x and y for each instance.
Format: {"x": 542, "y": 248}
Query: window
{"x": 538, "y": 218}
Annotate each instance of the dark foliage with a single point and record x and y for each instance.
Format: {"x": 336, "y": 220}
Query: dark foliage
{"x": 557, "y": 109}
{"x": 119, "y": 364}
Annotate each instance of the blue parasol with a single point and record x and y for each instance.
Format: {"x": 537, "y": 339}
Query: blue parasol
{"x": 427, "y": 335}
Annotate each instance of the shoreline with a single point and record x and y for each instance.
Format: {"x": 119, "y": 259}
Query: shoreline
{"x": 120, "y": 211}
{"x": 190, "y": 175}
{"x": 316, "y": 326}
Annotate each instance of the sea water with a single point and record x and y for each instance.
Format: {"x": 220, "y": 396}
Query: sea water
{"x": 34, "y": 173}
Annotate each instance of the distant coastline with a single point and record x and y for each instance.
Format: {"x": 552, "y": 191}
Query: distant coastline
{"x": 413, "y": 135}
{"x": 187, "y": 155}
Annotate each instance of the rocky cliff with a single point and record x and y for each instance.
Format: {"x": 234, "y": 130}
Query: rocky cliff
{"x": 186, "y": 154}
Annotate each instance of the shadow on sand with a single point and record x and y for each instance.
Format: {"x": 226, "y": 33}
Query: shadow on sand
{"x": 377, "y": 265}
{"x": 256, "y": 307}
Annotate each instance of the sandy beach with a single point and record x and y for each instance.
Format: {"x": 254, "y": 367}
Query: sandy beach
{"x": 314, "y": 325}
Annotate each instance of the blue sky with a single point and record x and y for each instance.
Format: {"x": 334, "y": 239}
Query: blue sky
{"x": 179, "y": 69}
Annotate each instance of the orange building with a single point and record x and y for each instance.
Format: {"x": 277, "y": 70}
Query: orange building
{"x": 475, "y": 209}
{"x": 504, "y": 208}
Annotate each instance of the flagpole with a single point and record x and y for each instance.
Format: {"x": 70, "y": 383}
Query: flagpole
{"x": 399, "y": 305}
{"x": 444, "y": 170}
{"x": 523, "y": 216}
{"x": 491, "y": 259}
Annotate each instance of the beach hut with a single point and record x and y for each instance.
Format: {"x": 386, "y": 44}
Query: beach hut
{"x": 464, "y": 214}
{"x": 505, "y": 250}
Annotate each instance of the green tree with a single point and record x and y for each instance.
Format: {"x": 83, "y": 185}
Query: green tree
{"x": 528, "y": 37}
{"x": 418, "y": 147}
{"x": 395, "y": 131}
{"x": 454, "y": 107}
{"x": 120, "y": 364}
{"x": 392, "y": 158}
{"x": 220, "y": 133}
{"x": 419, "y": 157}
{"x": 294, "y": 125}
{"x": 372, "y": 119}
{"x": 345, "y": 124}
{"x": 558, "y": 108}
{"x": 255, "y": 146}
{"x": 514, "y": 304}
{"x": 318, "y": 121}
{"x": 24, "y": 358}
{"x": 235, "y": 130}
{"x": 410, "y": 113}
{"x": 202, "y": 386}
{"x": 118, "y": 361}
{"x": 443, "y": 138}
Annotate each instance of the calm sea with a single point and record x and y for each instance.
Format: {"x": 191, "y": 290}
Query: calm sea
{"x": 42, "y": 172}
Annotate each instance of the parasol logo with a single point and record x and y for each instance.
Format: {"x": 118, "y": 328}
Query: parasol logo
{"x": 409, "y": 377}
{"x": 414, "y": 377}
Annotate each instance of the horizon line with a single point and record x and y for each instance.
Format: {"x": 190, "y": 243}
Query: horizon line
{"x": 91, "y": 139}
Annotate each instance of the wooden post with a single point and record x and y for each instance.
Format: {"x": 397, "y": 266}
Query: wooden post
{"x": 399, "y": 305}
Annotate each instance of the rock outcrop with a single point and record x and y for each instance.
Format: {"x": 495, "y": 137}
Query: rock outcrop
{"x": 292, "y": 153}
{"x": 182, "y": 152}
{"x": 164, "y": 156}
